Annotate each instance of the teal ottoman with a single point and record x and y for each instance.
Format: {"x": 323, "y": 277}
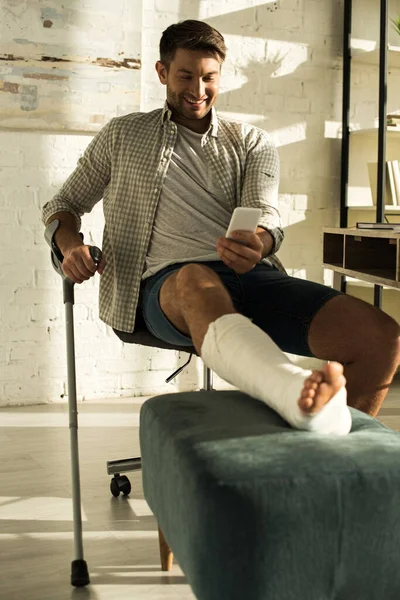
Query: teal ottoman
{"x": 254, "y": 510}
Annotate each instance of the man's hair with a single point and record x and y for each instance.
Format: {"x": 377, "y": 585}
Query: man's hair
{"x": 191, "y": 35}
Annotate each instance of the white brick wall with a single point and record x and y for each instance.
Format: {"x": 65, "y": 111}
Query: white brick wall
{"x": 282, "y": 73}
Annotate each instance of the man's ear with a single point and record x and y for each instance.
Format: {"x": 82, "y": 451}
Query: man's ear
{"x": 161, "y": 72}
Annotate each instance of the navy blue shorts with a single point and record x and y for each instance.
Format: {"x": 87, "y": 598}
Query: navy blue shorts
{"x": 281, "y": 305}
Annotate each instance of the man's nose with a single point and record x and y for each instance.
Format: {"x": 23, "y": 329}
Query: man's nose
{"x": 197, "y": 89}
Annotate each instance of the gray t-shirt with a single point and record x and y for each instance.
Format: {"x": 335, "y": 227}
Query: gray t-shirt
{"x": 192, "y": 211}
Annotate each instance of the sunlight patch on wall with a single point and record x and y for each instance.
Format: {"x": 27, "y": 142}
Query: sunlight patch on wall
{"x": 289, "y": 135}
{"x": 242, "y": 117}
{"x": 333, "y": 130}
{"x": 363, "y": 45}
{"x": 286, "y": 55}
{"x": 215, "y": 9}
{"x": 359, "y": 195}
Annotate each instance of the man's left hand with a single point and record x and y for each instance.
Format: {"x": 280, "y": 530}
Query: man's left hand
{"x": 241, "y": 252}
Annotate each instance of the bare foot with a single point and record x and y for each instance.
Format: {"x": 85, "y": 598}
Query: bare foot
{"x": 320, "y": 387}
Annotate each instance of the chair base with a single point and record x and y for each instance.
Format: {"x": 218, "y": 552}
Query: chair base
{"x": 125, "y": 465}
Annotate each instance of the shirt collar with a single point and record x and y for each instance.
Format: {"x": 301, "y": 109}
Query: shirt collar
{"x": 213, "y": 129}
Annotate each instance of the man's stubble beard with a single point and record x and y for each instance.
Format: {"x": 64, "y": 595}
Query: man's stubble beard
{"x": 177, "y": 104}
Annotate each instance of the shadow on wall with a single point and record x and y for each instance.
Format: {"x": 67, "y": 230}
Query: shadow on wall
{"x": 291, "y": 92}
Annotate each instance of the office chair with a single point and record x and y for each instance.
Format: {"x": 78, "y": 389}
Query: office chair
{"x": 142, "y": 336}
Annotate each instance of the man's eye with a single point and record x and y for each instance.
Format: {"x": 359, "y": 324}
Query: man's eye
{"x": 186, "y": 78}
{"x": 208, "y": 79}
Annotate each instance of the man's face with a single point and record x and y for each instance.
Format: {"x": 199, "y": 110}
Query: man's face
{"x": 192, "y": 82}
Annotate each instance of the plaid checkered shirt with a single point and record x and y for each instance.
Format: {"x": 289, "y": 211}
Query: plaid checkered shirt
{"x": 125, "y": 165}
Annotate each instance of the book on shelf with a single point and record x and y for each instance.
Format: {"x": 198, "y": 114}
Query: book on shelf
{"x": 393, "y": 119}
{"x": 396, "y": 177}
{"x": 390, "y": 175}
{"x": 385, "y": 226}
{"x": 390, "y": 190}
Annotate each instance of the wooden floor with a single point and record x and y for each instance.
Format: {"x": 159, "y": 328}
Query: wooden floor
{"x": 120, "y": 534}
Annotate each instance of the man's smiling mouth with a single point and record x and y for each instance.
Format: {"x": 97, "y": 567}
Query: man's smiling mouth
{"x": 197, "y": 102}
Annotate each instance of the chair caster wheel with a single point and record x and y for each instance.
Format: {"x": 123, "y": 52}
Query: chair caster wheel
{"x": 120, "y": 484}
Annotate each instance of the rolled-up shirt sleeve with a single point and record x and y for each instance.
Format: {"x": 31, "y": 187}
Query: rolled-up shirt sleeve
{"x": 88, "y": 182}
{"x": 261, "y": 183}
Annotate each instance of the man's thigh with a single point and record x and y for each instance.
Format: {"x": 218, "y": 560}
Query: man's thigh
{"x": 283, "y": 306}
{"x": 157, "y": 322}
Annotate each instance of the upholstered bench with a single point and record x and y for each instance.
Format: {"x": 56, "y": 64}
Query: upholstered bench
{"x": 254, "y": 510}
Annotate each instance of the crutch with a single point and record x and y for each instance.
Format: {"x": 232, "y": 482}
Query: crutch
{"x": 79, "y": 569}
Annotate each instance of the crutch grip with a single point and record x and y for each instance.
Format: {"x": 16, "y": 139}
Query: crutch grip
{"x": 95, "y": 253}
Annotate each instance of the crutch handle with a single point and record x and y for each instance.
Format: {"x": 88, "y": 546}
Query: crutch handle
{"x": 95, "y": 253}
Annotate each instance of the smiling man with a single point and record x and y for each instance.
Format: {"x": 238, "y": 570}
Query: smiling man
{"x": 192, "y": 79}
{"x": 170, "y": 180}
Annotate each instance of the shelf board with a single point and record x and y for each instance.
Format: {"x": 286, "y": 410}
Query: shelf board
{"x": 388, "y": 208}
{"x": 375, "y": 276}
{"x": 366, "y": 284}
{"x": 391, "y": 131}
{"x": 370, "y": 56}
{"x": 374, "y": 233}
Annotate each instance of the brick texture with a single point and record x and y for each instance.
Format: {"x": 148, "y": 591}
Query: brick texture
{"x": 282, "y": 74}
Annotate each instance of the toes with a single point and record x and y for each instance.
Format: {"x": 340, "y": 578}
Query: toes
{"x": 316, "y": 376}
{"x": 306, "y": 404}
{"x": 311, "y": 384}
{"x": 332, "y": 371}
{"x": 308, "y": 393}
{"x": 323, "y": 395}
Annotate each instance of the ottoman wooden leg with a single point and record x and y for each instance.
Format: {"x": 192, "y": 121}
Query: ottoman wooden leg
{"x": 166, "y": 554}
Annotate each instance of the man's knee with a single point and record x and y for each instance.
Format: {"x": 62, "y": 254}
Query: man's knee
{"x": 354, "y": 328}
{"x": 183, "y": 285}
{"x": 381, "y": 333}
{"x": 388, "y": 331}
{"x": 194, "y": 278}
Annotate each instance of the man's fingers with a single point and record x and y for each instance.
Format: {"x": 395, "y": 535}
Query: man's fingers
{"x": 245, "y": 252}
{"x": 235, "y": 261}
{"x": 250, "y": 239}
{"x": 238, "y": 256}
{"x": 87, "y": 260}
{"x": 78, "y": 265}
{"x": 72, "y": 273}
{"x": 86, "y": 266}
{"x": 101, "y": 266}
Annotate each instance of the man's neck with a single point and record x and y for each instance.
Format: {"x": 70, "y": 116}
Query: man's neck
{"x": 196, "y": 125}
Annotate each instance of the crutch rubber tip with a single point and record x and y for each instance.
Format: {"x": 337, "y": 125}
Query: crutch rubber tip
{"x": 79, "y": 573}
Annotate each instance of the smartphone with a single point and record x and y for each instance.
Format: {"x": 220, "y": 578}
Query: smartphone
{"x": 245, "y": 219}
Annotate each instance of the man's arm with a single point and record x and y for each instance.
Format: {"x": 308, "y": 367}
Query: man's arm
{"x": 78, "y": 265}
{"x": 82, "y": 190}
{"x": 267, "y": 241}
{"x": 67, "y": 235}
{"x": 260, "y": 188}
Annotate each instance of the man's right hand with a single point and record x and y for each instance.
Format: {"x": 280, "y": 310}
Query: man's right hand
{"x": 79, "y": 266}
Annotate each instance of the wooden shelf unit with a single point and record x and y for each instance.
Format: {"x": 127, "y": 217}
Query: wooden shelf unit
{"x": 369, "y": 255}
{"x": 368, "y": 141}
